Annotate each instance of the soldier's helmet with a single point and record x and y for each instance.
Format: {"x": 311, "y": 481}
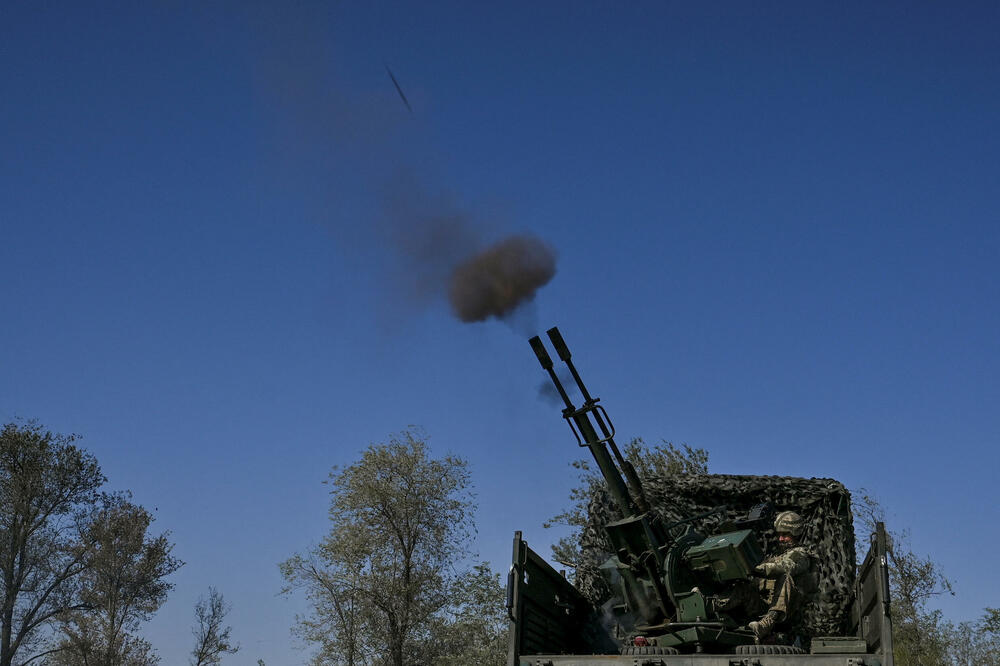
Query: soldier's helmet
{"x": 788, "y": 522}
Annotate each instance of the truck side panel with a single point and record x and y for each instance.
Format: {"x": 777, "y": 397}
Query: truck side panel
{"x": 873, "y": 611}
{"x": 548, "y": 615}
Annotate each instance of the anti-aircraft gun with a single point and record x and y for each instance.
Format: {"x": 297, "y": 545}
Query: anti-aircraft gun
{"x": 667, "y": 577}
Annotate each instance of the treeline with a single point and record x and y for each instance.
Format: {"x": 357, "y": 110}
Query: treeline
{"x": 393, "y": 583}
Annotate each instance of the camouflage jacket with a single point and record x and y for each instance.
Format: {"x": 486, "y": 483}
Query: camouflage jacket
{"x": 794, "y": 561}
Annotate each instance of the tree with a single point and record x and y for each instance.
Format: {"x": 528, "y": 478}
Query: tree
{"x": 662, "y": 460}
{"x": 473, "y": 629}
{"x": 122, "y": 586}
{"x": 975, "y": 643}
{"x": 211, "y": 638}
{"x": 336, "y": 595}
{"x": 48, "y": 487}
{"x": 401, "y": 520}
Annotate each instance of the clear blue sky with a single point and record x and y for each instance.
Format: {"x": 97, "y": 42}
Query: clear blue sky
{"x": 776, "y": 226}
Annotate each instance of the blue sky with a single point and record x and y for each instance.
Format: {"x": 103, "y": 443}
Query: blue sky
{"x": 776, "y": 229}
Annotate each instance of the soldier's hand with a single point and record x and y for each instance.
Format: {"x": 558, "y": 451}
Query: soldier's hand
{"x": 763, "y": 569}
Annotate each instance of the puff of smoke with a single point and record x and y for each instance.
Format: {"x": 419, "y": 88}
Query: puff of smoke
{"x": 499, "y": 279}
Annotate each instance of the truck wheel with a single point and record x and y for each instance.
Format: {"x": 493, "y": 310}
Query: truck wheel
{"x": 648, "y": 650}
{"x": 769, "y": 649}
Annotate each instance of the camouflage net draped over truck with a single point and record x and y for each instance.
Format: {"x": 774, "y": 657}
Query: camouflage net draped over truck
{"x": 825, "y": 505}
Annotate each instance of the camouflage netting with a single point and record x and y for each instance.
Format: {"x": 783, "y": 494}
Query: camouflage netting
{"x": 824, "y": 504}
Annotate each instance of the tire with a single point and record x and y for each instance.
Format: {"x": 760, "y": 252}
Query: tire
{"x": 648, "y": 650}
{"x": 769, "y": 649}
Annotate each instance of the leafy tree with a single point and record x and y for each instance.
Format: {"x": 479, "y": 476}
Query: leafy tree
{"x": 473, "y": 629}
{"x": 400, "y": 521}
{"x": 83, "y": 645}
{"x": 975, "y": 643}
{"x": 48, "y": 487}
{"x": 211, "y": 638}
{"x": 338, "y": 611}
{"x": 122, "y": 586}
{"x": 662, "y": 460}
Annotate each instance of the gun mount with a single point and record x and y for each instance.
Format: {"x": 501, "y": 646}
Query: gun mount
{"x": 667, "y": 574}
{"x": 670, "y": 564}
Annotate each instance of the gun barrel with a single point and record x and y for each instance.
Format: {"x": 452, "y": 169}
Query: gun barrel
{"x": 541, "y": 352}
{"x": 632, "y": 482}
{"x": 638, "y": 539}
{"x": 581, "y": 419}
{"x": 560, "y": 345}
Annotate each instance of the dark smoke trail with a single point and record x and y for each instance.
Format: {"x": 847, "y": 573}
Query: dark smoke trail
{"x": 496, "y": 281}
{"x": 547, "y": 390}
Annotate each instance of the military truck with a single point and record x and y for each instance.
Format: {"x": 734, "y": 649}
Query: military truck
{"x": 660, "y": 553}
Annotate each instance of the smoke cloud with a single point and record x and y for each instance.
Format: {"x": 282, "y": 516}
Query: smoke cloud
{"x": 363, "y": 163}
{"x": 547, "y": 390}
{"x": 443, "y": 254}
{"x": 496, "y": 281}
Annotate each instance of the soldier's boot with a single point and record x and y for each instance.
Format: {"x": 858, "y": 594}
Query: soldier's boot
{"x": 763, "y": 627}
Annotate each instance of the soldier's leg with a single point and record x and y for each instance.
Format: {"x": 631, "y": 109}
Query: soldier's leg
{"x": 776, "y": 594}
{"x": 783, "y": 596}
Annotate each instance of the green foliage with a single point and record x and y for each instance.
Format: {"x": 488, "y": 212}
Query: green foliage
{"x": 473, "y": 629}
{"x": 123, "y": 585}
{"x": 47, "y": 488}
{"x": 662, "y": 460}
{"x": 379, "y": 580}
{"x": 339, "y": 616}
{"x": 72, "y": 557}
{"x": 212, "y": 639}
{"x": 975, "y": 643}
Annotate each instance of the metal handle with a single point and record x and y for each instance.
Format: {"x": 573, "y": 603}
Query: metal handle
{"x": 592, "y": 407}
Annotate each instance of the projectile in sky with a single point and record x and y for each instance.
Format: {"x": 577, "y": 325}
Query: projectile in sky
{"x": 398, "y": 89}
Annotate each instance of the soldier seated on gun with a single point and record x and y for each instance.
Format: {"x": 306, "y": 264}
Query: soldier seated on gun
{"x": 775, "y": 592}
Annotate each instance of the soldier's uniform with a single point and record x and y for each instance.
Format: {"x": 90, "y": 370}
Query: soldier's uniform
{"x": 778, "y": 585}
{"x": 775, "y": 592}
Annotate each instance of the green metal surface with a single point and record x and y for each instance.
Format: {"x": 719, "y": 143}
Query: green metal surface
{"x": 691, "y": 607}
{"x": 708, "y": 639}
{"x": 726, "y": 557}
{"x": 837, "y": 645}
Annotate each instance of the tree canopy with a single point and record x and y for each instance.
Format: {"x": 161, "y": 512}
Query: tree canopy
{"x": 391, "y": 568}
{"x": 124, "y": 583}
{"x": 48, "y": 486}
{"x": 79, "y": 571}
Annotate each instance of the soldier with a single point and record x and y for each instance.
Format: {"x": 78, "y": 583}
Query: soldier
{"x": 776, "y": 592}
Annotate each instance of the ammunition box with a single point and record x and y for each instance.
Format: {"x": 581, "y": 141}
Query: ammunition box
{"x": 725, "y": 557}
